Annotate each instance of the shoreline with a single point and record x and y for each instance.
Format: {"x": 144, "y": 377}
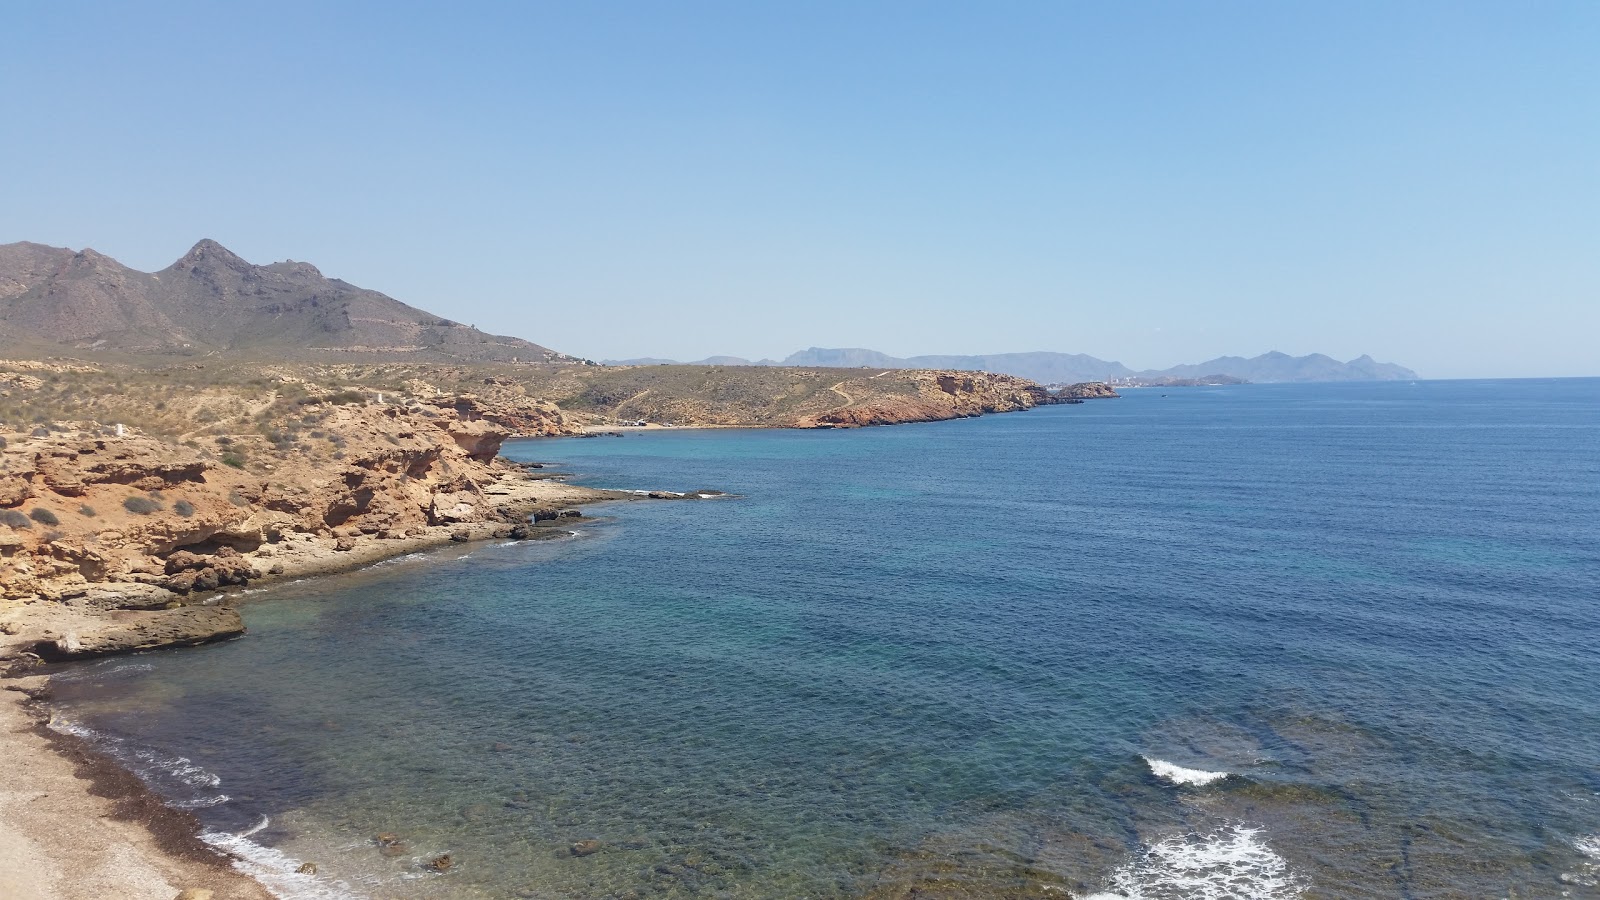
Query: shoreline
{"x": 623, "y": 430}
{"x": 76, "y": 824}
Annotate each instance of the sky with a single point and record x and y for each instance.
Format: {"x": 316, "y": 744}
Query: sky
{"x": 1153, "y": 183}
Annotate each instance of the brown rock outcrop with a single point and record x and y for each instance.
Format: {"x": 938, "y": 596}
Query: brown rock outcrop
{"x": 13, "y": 490}
{"x": 132, "y": 631}
{"x": 1088, "y": 390}
{"x": 937, "y": 396}
{"x": 480, "y": 439}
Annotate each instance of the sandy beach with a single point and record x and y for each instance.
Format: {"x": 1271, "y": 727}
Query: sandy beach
{"x": 74, "y": 826}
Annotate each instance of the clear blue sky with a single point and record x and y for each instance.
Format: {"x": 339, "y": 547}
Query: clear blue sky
{"x": 1150, "y": 182}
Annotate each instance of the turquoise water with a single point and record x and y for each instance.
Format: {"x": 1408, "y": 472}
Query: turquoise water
{"x": 1265, "y": 641}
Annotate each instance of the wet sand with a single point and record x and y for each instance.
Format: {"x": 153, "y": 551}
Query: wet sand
{"x": 76, "y": 826}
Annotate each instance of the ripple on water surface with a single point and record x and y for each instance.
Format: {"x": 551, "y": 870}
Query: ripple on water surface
{"x": 1250, "y": 643}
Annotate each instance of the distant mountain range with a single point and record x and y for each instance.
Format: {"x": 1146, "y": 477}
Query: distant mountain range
{"x": 212, "y": 301}
{"x": 1069, "y": 368}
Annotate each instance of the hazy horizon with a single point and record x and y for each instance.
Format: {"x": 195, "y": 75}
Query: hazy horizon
{"x": 1149, "y": 183}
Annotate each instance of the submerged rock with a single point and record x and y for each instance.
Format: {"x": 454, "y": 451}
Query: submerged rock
{"x": 585, "y": 847}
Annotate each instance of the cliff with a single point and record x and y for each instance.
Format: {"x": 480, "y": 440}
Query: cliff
{"x": 113, "y": 539}
{"x": 1089, "y": 390}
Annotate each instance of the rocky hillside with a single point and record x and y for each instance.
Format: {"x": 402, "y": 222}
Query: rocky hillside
{"x": 212, "y": 302}
{"x": 130, "y": 495}
{"x": 781, "y": 397}
{"x": 114, "y": 539}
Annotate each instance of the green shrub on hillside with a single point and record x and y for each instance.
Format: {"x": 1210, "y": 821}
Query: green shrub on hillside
{"x": 14, "y": 518}
{"x": 142, "y": 506}
{"x": 44, "y": 516}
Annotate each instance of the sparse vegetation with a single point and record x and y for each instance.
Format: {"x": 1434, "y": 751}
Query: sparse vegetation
{"x": 44, "y": 516}
{"x": 14, "y": 518}
{"x": 140, "y": 506}
{"x": 233, "y": 459}
{"x": 183, "y": 508}
{"x": 87, "y": 511}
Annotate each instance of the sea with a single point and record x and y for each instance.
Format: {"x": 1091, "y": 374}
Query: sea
{"x": 1258, "y": 641}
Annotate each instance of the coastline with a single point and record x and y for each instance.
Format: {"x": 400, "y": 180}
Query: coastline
{"x": 76, "y": 824}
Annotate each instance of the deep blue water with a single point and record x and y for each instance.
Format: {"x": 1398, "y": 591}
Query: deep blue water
{"x": 959, "y": 659}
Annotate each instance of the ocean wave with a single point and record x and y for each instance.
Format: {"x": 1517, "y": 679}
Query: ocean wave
{"x": 1179, "y": 775}
{"x": 396, "y": 559}
{"x": 151, "y": 766}
{"x": 202, "y": 802}
{"x": 274, "y": 869}
{"x": 1589, "y": 873}
{"x": 96, "y": 673}
{"x": 1229, "y": 864}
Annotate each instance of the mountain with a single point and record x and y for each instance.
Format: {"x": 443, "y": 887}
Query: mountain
{"x": 1283, "y": 367}
{"x": 211, "y": 301}
{"x": 1070, "y": 368}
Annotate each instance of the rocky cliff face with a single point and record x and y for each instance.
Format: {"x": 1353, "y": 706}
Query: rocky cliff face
{"x": 82, "y": 508}
{"x": 936, "y": 396}
{"x": 1089, "y": 390}
{"x": 113, "y": 540}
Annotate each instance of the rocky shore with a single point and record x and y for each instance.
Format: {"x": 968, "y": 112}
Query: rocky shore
{"x": 118, "y": 543}
{"x": 119, "y": 538}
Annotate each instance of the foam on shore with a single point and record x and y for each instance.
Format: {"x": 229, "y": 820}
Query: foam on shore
{"x": 274, "y": 869}
{"x": 1231, "y": 863}
{"x": 1179, "y": 775}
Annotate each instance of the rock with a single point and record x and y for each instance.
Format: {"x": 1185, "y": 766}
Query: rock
{"x": 36, "y": 686}
{"x": 344, "y": 545}
{"x": 480, "y": 439}
{"x": 182, "y": 627}
{"x": 309, "y": 868}
{"x": 585, "y": 847}
{"x": 1089, "y": 390}
{"x": 461, "y": 535}
{"x": 183, "y": 560}
{"x": 441, "y": 863}
{"x": 9, "y": 539}
{"x": 194, "y": 894}
{"x": 520, "y": 532}
{"x": 182, "y": 583}
{"x": 125, "y": 596}
{"x": 459, "y": 506}
{"x": 206, "y": 580}
{"x": 13, "y": 490}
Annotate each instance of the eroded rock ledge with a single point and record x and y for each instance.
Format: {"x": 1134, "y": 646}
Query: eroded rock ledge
{"x": 113, "y": 544}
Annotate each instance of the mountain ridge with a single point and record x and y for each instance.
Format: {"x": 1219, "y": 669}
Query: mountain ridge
{"x": 211, "y": 300}
{"x": 1047, "y": 367}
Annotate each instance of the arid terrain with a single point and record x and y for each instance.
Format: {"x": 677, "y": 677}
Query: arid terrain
{"x": 132, "y": 495}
